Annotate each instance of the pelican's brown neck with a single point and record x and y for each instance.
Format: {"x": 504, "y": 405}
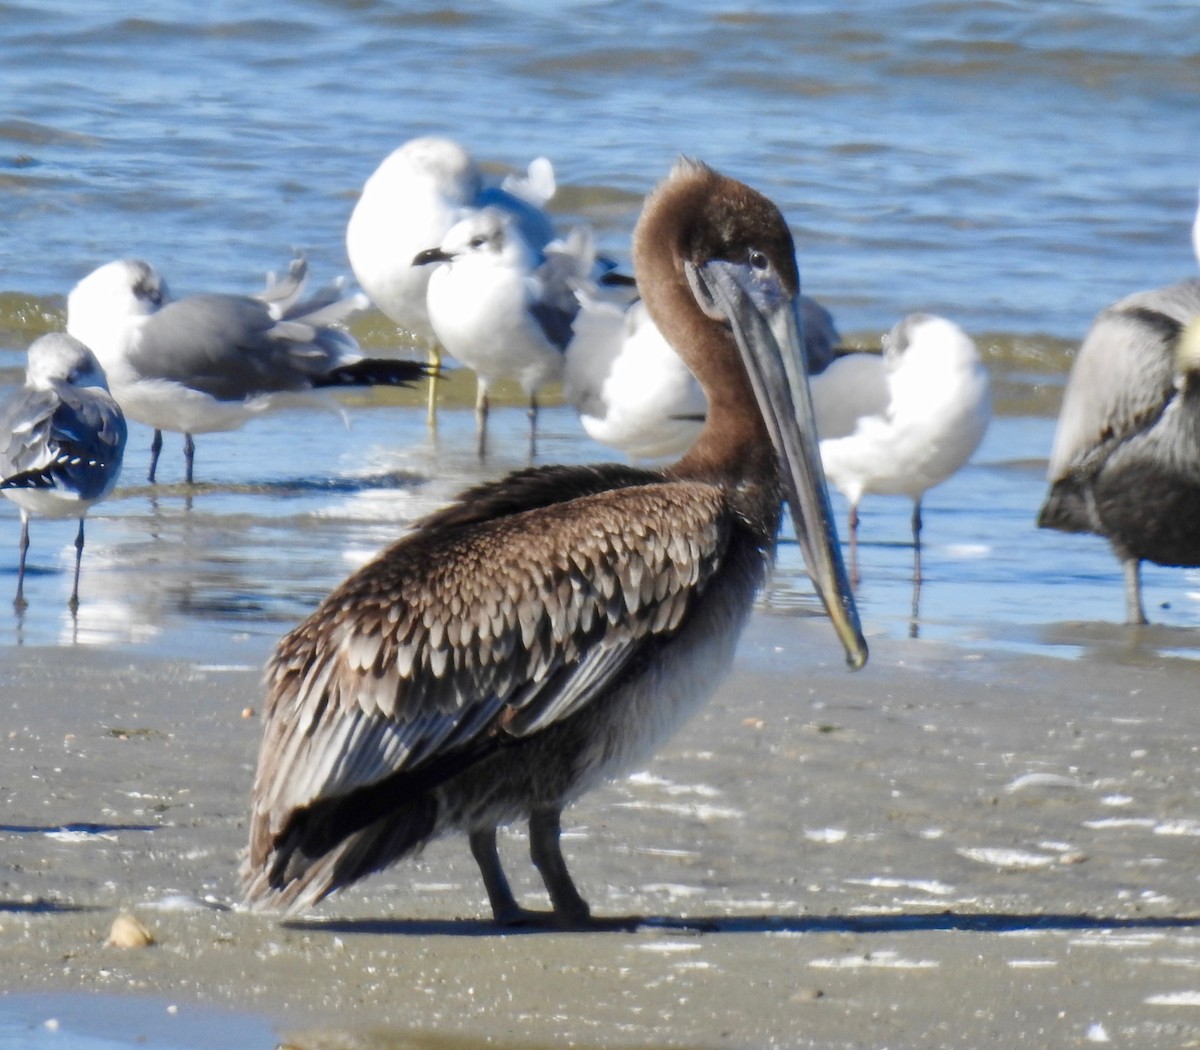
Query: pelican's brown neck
{"x": 734, "y": 440}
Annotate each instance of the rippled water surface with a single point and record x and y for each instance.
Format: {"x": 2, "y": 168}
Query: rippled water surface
{"x": 1012, "y": 165}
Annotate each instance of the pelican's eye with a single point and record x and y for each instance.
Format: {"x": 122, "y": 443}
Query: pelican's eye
{"x": 759, "y": 259}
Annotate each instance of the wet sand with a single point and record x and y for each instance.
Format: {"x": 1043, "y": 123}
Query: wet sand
{"x": 949, "y": 848}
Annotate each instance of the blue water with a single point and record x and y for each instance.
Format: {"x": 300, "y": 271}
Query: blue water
{"x": 1014, "y": 166}
{"x": 85, "y": 1022}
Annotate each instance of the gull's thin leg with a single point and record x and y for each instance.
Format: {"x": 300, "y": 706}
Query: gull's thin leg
{"x": 481, "y": 418}
{"x": 1134, "y": 610}
{"x": 916, "y": 534}
{"x": 19, "y": 601}
{"x": 918, "y": 578}
{"x": 189, "y": 456}
{"x": 853, "y": 545}
{"x": 73, "y": 604}
{"x": 435, "y": 373}
{"x": 545, "y": 828}
{"x": 505, "y": 909}
{"x": 155, "y": 449}
{"x": 533, "y": 418}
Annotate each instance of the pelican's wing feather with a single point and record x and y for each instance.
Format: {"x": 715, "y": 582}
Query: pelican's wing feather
{"x": 1123, "y": 376}
{"x": 477, "y": 627}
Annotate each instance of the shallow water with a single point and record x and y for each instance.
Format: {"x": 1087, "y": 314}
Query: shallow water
{"x": 1014, "y": 167}
{"x": 220, "y": 572}
{"x": 87, "y": 1022}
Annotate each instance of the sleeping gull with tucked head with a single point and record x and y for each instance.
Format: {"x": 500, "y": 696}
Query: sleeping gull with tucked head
{"x": 632, "y": 390}
{"x": 409, "y": 204}
{"x": 901, "y": 422}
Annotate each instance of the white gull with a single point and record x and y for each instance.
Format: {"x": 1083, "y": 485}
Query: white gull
{"x": 503, "y": 306}
{"x": 63, "y": 438}
{"x": 901, "y": 422}
{"x": 211, "y": 362}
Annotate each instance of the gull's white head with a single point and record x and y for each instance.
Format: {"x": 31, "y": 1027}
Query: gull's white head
{"x": 426, "y": 166}
{"x": 100, "y": 306}
{"x": 60, "y": 358}
{"x": 488, "y": 237}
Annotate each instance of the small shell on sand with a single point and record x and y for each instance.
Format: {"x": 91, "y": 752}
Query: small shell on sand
{"x": 128, "y": 931}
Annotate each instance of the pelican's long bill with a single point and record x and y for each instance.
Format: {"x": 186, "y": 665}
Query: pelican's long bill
{"x": 766, "y": 327}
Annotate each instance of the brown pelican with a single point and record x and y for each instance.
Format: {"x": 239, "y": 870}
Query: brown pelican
{"x": 550, "y": 630}
{"x": 63, "y": 438}
{"x": 1126, "y": 458}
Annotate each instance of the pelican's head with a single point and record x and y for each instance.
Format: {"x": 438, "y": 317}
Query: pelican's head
{"x": 717, "y": 267}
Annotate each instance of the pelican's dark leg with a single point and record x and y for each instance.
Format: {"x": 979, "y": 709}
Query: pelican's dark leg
{"x": 505, "y": 909}
{"x": 533, "y": 416}
{"x": 545, "y": 828}
{"x": 854, "y": 545}
{"x": 1134, "y": 611}
{"x": 19, "y": 601}
{"x": 73, "y": 604}
{"x": 481, "y": 418}
{"x": 189, "y": 456}
{"x": 155, "y": 449}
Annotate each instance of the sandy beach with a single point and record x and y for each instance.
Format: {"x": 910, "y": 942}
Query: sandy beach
{"x": 949, "y": 848}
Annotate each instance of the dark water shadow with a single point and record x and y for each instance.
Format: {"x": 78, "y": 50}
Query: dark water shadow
{"x": 1112, "y": 642}
{"x": 949, "y": 921}
{"x": 283, "y": 487}
{"x": 44, "y": 907}
{"x": 80, "y": 828}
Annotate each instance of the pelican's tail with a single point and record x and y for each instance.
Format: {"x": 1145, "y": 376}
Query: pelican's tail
{"x": 311, "y": 858}
{"x": 1067, "y": 508}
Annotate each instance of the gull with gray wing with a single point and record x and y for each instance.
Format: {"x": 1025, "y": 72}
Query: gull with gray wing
{"x": 64, "y": 437}
{"x": 211, "y": 362}
{"x": 503, "y": 306}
